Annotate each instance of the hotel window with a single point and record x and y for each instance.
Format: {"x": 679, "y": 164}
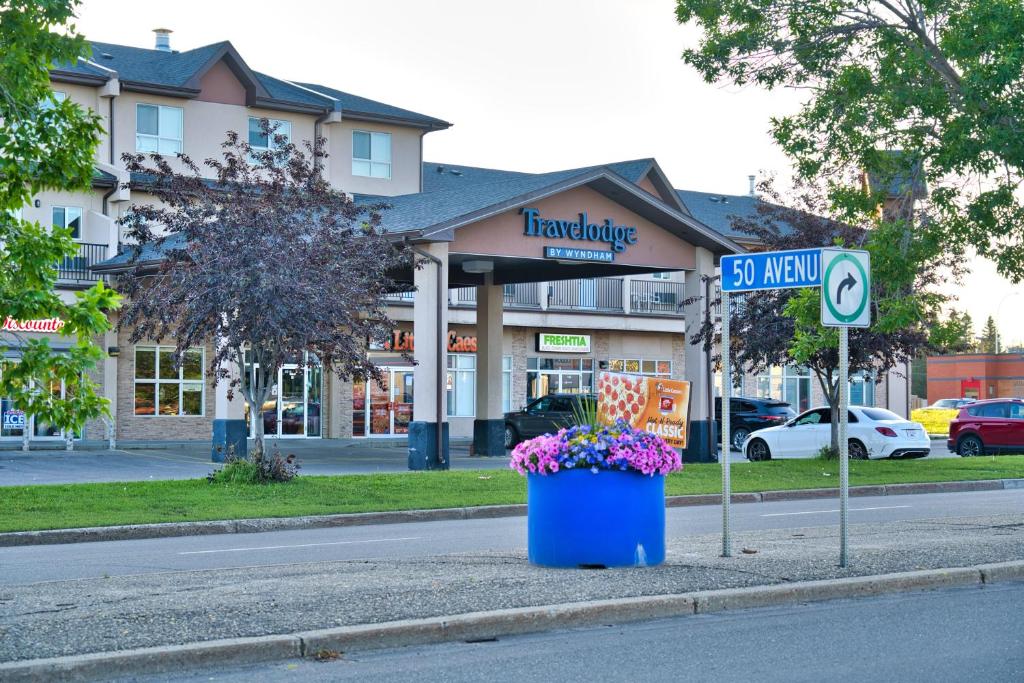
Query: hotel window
{"x": 69, "y": 217}
{"x": 461, "y": 385}
{"x": 56, "y": 97}
{"x": 506, "y": 384}
{"x": 260, "y": 141}
{"x": 162, "y": 389}
{"x": 639, "y": 366}
{"x": 158, "y": 128}
{"x": 371, "y": 154}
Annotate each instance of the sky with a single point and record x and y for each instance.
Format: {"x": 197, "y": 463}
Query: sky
{"x": 530, "y": 85}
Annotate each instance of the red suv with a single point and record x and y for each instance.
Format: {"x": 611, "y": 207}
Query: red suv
{"x": 993, "y": 426}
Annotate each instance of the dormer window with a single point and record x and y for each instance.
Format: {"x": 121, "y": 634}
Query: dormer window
{"x": 371, "y": 154}
{"x": 158, "y": 128}
{"x": 260, "y": 141}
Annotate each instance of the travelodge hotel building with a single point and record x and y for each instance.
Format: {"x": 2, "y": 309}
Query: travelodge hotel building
{"x": 531, "y": 284}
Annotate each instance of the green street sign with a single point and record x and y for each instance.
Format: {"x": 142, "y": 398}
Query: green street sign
{"x": 845, "y": 288}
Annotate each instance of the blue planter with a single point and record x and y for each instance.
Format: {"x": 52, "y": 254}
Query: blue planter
{"x": 610, "y": 519}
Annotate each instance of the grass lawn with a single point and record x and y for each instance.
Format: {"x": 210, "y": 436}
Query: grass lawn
{"x": 24, "y": 508}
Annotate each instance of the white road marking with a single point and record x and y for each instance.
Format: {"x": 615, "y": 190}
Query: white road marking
{"x": 823, "y": 512}
{"x": 298, "y": 545}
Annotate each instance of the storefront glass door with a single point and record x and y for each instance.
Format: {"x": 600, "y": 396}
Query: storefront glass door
{"x": 388, "y": 411}
{"x": 293, "y": 408}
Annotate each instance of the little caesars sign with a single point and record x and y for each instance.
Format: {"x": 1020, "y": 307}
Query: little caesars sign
{"x": 617, "y": 237}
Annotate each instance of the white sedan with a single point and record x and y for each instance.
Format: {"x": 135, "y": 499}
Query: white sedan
{"x": 872, "y": 433}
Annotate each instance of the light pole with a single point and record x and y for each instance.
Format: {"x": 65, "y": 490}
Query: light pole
{"x": 998, "y": 309}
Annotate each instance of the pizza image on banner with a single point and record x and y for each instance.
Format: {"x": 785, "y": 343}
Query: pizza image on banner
{"x": 655, "y": 404}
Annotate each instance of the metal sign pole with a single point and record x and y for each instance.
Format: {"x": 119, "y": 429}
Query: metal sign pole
{"x": 726, "y": 446}
{"x": 844, "y": 444}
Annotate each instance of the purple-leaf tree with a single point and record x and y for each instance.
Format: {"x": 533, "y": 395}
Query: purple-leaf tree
{"x": 262, "y": 258}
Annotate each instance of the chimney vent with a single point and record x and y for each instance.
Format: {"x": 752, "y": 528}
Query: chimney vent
{"x": 163, "y": 39}
{"x": 752, "y": 178}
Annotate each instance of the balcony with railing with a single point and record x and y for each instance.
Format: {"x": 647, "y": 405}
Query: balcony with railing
{"x": 75, "y": 271}
{"x": 589, "y": 294}
{"x": 656, "y": 297}
{"x": 598, "y": 295}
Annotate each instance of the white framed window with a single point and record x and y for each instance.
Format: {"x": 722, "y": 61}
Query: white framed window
{"x": 69, "y": 217}
{"x": 461, "y": 384}
{"x": 260, "y": 141}
{"x": 506, "y": 384}
{"x": 163, "y": 390}
{"x": 862, "y": 390}
{"x": 662, "y": 276}
{"x": 371, "y": 154}
{"x": 158, "y": 128}
{"x": 641, "y": 366}
{"x": 56, "y": 97}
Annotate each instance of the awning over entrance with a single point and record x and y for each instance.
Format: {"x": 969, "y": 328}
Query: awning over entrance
{"x": 592, "y": 222}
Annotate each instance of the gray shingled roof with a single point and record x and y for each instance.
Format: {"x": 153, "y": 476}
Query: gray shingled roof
{"x": 354, "y": 104}
{"x": 448, "y": 196}
{"x": 716, "y": 210}
{"x": 454, "y": 176}
{"x": 176, "y": 69}
{"x": 478, "y": 188}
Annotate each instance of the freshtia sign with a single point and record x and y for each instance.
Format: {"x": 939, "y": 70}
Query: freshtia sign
{"x": 563, "y": 343}
{"x": 618, "y": 237}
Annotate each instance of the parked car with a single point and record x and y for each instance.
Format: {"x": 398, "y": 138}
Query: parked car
{"x": 747, "y": 415}
{"x": 990, "y": 426}
{"x": 544, "y": 415}
{"x": 947, "y": 403}
{"x": 872, "y": 433}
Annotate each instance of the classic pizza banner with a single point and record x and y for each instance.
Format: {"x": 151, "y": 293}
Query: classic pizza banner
{"x": 655, "y": 404}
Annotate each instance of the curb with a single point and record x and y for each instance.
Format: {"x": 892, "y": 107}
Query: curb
{"x": 487, "y": 625}
{"x": 250, "y": 526}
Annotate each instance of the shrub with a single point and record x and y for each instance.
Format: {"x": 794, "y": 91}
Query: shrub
{"x": 827, "y": 453}
{"x": 259, "y": 468}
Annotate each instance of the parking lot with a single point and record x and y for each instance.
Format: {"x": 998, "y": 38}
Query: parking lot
{"x": 190, "y": 461}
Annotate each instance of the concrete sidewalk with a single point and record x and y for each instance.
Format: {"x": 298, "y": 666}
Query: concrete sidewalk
{"x": 118, "y": 613}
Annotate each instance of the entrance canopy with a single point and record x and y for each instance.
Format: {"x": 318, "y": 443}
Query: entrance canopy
{"x": 616, "y": 219}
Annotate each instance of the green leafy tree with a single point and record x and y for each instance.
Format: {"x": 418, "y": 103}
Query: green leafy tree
{"x": 940, "y": 80}
{"x": 989, "y": 337}
{"x": 954, "y": 334}
{"x": 44, "y": 145}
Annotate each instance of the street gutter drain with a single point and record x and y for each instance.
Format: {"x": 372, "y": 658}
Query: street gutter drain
{"x": 473, "y": 641}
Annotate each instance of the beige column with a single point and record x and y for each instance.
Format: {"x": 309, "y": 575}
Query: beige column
{"x": 489, "y": 425}
{"x": 430, "y": 328}
{"x": 110, "y": 385}
{"x": 696, "y": 365}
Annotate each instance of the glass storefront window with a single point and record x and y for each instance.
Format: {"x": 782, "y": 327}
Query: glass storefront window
{"x": 506, "y": 384}
{"x": 461, "y": 386}
{"x": 559, "y": 375}
{"x": 790, "y": 384}
{"x": 161, "y": 388}
{"x": 862, "y": 391}
{"x": 641, "y": 366}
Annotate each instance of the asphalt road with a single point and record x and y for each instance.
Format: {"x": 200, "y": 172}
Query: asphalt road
{"x": 31, "y": 564}
{"x": 957, "y": 634}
